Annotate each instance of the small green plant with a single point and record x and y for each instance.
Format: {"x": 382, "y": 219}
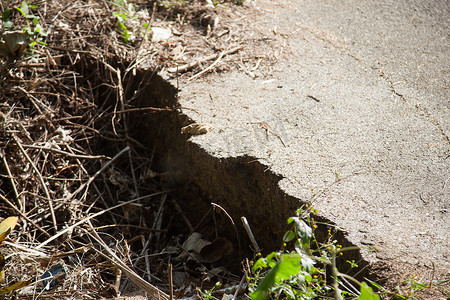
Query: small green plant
{"x": 14, "y": 41}
{"x": 123, "y": 11}
{"x": 207, "y": 294}
{"x": 33, "y": 29}
{"x": 408, "y": 293}
{"x": 302, "y": 273}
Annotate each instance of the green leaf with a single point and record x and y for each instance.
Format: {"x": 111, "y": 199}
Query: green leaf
{"x": 367, "y": 293}
{"x": 23, "y": 9}
{"x": 258, "y": 295}
{"x": 288, "y": 236}
{"x": 420, "y": 285}
{"x": 260, "y": 263}
{"x": 376, "y": 285}
{"x": 304, "y": 231}
{"x": 307, "y": 263}
{"x": 289, "y": 265}
{"x": 272, "y": 259}
{"x": 6, "y": 14}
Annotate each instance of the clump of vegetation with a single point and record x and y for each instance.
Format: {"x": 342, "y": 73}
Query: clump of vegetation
{"x": 304, "y": 272}
{"x": 123, "y": 11}
{"x": 15, "y": 38}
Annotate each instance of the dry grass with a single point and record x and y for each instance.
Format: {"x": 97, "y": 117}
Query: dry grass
{"x": 68, "y": 166}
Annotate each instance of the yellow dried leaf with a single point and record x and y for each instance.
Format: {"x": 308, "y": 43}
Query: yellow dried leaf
{"x": 6, "y": 226}
{"x": 2, "y": 264}
{"x": 195, "y": 129}
{"x": 14, "y": 287}
{"x": 4, "y": 234}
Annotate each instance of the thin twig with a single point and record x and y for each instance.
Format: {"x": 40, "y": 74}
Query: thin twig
{"x": 186, "y": 220}
{"x": 335, "y": 272}
{"x": 150, "y": 237}
{"x": 92, "y": 178}
{"x": 93, "y": 216}
{"x": 147, "y": 287}
{"x": 250, "y": 234}
{"x": 170, "y": 282}
{"x": 202, "y": 219}
{"x": 350, "y": 288}
{"x": 208, "y": 68}
{"x": 130, "y": 226}
{"x": 70, "y": 155}
{"x": 191, "y": 65}
{"x": 23, "y": 215}
{"x": 39, "y": 175}
{"x": 141, "y": 109}
{"x": 16, "y": 194}
{"x": 232, "y": 222}
{"x": 241, "y": 283}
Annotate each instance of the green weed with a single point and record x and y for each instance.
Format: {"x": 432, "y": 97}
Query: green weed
{"x": 27, "y": 32}
{"x": 302, "y": 273}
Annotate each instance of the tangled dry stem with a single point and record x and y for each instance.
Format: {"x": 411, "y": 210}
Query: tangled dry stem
{"x": 66, "y": 157}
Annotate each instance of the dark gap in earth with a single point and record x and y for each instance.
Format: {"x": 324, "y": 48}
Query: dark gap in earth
{"x": 242, "y": 186}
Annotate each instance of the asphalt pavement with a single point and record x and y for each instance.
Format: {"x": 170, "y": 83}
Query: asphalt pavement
{"x": 355, "y": 116}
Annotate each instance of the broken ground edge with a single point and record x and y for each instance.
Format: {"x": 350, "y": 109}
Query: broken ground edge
{"x": 241, "y": 185}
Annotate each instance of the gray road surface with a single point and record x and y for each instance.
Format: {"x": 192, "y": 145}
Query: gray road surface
{"x": 362, "y": 96}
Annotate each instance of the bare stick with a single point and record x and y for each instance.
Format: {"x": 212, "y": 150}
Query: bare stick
{"x": 92, "y": 178}
{"x": 5, "y": 163}
{"x": 93, "y": 216}
{"x": 68, "y": 154}
{"x": 186, "y": 220}
{"x": 239, "y": 288}
{"x": 334, "y": 271}
{"x": 208, "y": 68}
{"x": 23, "y": 215}
{"x": 232, "y": 222}
{"x": 33, "y": 99}
{"x": 202, "y": 219}
{"x": 150, "y": 237}
{"x": 250, "y": 234}
{"x": 130, "y": 226}
{"x": 191, "y": 65}
{"x": 147, "y": 287}
{"x": 142, "y": 109}
{"x": 38, "y": 174}
{"x": 170, "y": 283}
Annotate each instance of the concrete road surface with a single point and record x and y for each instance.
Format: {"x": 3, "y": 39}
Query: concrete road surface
{"x": 355, "y": 116}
